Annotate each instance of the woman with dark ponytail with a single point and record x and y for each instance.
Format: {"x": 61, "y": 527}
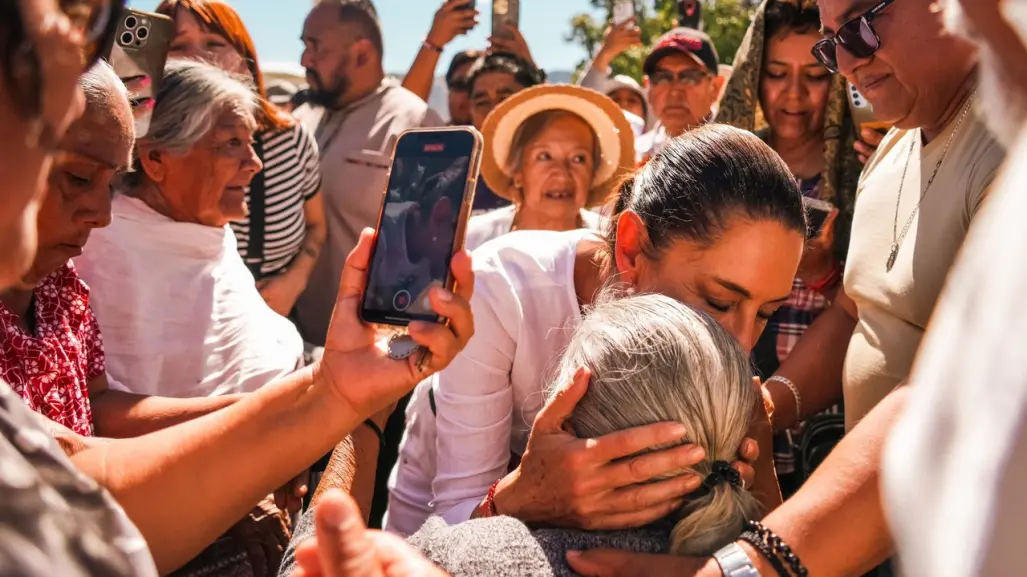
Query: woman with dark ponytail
{"x": 714, "y": 221}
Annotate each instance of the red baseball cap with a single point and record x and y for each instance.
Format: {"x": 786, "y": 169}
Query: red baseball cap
{"x": 688, "y": 41}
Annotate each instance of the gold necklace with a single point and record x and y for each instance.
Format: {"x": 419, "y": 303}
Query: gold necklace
{"x": 896, "y": 237}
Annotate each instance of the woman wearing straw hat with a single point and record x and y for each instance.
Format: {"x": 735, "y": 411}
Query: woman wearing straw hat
{"x": 552, "y": 151}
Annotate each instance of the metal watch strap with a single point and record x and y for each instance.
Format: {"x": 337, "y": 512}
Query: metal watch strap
{"x": 734, "y": 562}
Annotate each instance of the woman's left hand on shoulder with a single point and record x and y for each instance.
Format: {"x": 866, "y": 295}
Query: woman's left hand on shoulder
{"x": 356, "y": 363}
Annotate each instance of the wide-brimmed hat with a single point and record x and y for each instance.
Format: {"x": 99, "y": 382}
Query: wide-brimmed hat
{"x": 614, "y": 134}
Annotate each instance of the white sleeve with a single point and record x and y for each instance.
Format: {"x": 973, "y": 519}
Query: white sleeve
{"x": 598, "y": 80}
{"x": 474, "y": 400}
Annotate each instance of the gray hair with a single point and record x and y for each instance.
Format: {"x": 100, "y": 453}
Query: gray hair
{"x": 100, "y": 84}
{"x": 656, "y": 360}
{"x": 191, "y": 96}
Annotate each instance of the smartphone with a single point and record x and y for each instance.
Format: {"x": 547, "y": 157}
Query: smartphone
{"x": 505, "y": 14}
{"x": 690, "y": 14}
{"x": 623, "y": 10}
{"x": 817, "y": 212}
{"x": 422, "y": 223}
{"x": 140, "y": 48}
{"x": 863, "y": 111}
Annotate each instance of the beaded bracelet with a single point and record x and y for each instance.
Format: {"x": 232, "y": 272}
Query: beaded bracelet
{"x": 760, "y": 545}
{"x": 778, "y": 547}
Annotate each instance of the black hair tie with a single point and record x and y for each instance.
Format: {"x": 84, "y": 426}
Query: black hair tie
{"x": 723, "y": 472}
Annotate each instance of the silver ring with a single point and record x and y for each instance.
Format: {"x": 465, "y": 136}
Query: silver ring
{"x": 402, "y": 346}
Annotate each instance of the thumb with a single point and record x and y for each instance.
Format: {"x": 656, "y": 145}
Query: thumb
{"x": 343, "y": 544}
{"x": 556, "y": 412}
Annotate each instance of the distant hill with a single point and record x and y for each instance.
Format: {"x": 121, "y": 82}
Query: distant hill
{"x": 440, "y": 95}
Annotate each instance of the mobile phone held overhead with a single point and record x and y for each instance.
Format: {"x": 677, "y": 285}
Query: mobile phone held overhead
{"x": 505, "y": 14}
{"x": 140, "y": 49}
{"x": 422, "y": 223}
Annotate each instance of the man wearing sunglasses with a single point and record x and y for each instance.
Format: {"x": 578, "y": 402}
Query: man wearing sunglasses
{"x": 682, "y": 75}
{"x": 918, "y": 195}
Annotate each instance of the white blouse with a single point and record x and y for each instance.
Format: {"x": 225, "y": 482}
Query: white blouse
{"x": 496, "y": 223}
{"x": 178, "y": 309}
{"x": 525, "y": 307}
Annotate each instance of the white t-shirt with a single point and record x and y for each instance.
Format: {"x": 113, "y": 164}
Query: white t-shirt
{"x": 496, "y": 223}
{"x": 955, "y": 466}
{"x": 525, "y": 307}
{"x": 179, "y": 311}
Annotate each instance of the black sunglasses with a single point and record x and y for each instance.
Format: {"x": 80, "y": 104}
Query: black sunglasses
{"x": 95, "y": 19}
{"x": 857, "y": 36}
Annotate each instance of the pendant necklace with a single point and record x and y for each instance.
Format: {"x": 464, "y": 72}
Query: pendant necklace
{"x": 897, "y": 238}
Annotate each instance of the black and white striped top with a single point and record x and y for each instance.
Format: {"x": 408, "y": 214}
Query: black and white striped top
{"x": 291, "y": 176}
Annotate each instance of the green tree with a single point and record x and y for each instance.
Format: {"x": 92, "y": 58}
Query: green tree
{"x": 724, "y": 20}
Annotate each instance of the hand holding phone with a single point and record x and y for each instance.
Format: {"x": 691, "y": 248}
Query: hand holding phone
{"x": 138, "y": 55}
{"x": 454, "y": 17}
{"x": 422, "y": 223}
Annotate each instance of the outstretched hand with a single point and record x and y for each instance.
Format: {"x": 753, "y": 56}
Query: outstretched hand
{"x": 356, "y": 360}
{"x": 343, "y": 547}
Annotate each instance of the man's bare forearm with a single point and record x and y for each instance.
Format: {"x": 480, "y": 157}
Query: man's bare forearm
{"x": 353, "y": 468}
{"x": 836, "y": 522}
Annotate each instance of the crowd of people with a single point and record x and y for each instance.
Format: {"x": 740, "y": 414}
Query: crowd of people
{"x": 712, "y": 323}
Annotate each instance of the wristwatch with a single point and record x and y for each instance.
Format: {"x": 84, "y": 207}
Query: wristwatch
{"x": 734, "y": 562}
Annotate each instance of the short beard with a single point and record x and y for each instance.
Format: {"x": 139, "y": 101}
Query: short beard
{"x": 328, "y": 96}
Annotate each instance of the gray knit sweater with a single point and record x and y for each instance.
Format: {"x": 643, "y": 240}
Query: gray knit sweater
{"x": 503, "y": 546}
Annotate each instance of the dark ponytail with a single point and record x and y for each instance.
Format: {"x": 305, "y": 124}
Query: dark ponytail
{"x": 698, "y": 182}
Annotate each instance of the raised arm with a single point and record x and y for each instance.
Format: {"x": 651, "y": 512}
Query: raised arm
{"x": 185, "y": 485}
{"x": 451, "y": 20}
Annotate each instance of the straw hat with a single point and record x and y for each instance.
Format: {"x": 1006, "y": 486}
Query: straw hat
{"x": 616, "y": 139}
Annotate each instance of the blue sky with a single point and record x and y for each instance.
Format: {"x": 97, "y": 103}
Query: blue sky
{"x": 276, "y": 24}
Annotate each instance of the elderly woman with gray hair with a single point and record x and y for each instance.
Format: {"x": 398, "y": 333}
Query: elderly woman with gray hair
{"x": 178, "y": 308}
{"x": 649, "y": 359}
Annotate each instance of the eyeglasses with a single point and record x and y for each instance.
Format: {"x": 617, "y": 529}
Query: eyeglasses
{"x": 857, "y": 36}
{"x": 94, "y": 19}
{"x": 690, "y": 77}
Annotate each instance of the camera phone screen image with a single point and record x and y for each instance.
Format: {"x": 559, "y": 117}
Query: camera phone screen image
{"x": 418, "y": 229}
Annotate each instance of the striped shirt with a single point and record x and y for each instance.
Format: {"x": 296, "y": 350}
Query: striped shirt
{"x": 291, "y": 176}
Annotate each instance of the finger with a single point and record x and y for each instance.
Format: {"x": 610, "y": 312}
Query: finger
{"x": 602, "y": 562}
{"x": 552, "y": 416}
{"x": 439, "y": 339}
{"x": 749, "y": 451}
{"x": 354, "y": 272}
{"x": 137, "y": 84}
{"x": 656, "y": 464}
{"x": 457, "y": 310}
{"x": 634, "y": 519}
{"x": 463, "y": 274}
{"x": 630, "y": 441}
{"x": 862, "y": 148}
{"x": 747, "y": 473}
{"x": 307, "y": 557}
{"x": 872, "y": 136}
{"x": 343, "y": 544}
{"x": 661, "y": 495}
{"x": 863, "y": 159}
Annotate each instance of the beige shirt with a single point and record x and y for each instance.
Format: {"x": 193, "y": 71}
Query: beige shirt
{"x": 894, "y": 306}
{"x": 356, "y": 152}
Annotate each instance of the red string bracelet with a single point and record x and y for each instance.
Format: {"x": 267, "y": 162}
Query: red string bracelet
{"x": 488, "y": 506}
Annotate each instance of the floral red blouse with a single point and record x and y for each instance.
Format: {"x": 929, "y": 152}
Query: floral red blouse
{"x": 51, "y": 369}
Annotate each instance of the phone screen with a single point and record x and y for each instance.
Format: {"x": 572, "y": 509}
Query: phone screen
{"x": 817, "y": 212}
{"x": 419, "y": 224}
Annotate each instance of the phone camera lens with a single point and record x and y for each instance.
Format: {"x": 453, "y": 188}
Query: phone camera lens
{"x": 126, "y": 38}
{"x": 142, "y": 33}
{"x": 131, "y": 22}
